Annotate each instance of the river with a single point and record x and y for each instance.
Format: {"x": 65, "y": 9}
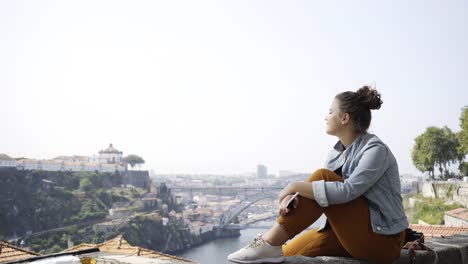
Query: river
{"x": 216, "y": 251}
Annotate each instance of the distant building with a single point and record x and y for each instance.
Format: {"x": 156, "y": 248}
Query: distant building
{"x": 109, "y": 226}
{"x": 29, "y": 164}
{"x": 74, "y": 158}
{"x": 150, "y": 200}
{"x": 7, "y": 162}
{"x": 108, "y": 160}
{"x": 456, "y": 217}
{"x": 286, "y": 173}
{"x": 110, "y": 155}
{"x": 411, "y": 184}
{"x": 262, "y": 171}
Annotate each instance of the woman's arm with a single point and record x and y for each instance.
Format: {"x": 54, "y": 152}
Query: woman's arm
{"x": 372, "y": 165}
{"x": 304, "y": 189}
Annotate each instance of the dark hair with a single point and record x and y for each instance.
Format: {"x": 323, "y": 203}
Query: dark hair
{"x": 358, "y": 105}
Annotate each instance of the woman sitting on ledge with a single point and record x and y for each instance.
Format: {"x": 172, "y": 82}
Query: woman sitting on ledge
{"x": 359, "y": 193}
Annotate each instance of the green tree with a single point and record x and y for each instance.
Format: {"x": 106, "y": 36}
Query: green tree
{"x": 448, "y": 153}
{"x": 133, "y": 160}
{"x": 86, "y": 185}
{"x": 463, "y": 139}
{"x": 56, "y": 248}
{"x": 463, "y": 135}
{"x": 435, "y": 147}
{"x": 423, "y": 153}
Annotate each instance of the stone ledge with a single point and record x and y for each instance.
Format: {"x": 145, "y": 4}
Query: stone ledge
{"x": 450, "y": 250}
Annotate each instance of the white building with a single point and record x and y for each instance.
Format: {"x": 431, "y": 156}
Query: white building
{"x": 28, "y": 164}
{"x": 262, "y": 171}
{"x": 456, "y": 217}
{"x": 7, "y": 162}
{"x": 52, "y": 165}
{"x": 199, "y": 228}
{"x": 109, "y": 155}
{"x": 74, "y": 158}
{"x": 108, "y": 160}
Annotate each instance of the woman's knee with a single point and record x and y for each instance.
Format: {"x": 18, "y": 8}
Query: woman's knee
{"x": 324, "y": 174}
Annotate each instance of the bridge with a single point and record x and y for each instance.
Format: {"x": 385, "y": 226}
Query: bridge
{"x": 233, "y": 211}
{"x": 223, "y": 190}
{"x": 259, "y": 193}
{"x": 252, "y": 220}
{"x": 222, "y": 187}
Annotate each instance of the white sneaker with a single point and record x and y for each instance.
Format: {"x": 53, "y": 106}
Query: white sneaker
{"x": 258, "y": 251}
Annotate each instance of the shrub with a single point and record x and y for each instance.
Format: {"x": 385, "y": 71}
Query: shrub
{"x": 432, "y": 211}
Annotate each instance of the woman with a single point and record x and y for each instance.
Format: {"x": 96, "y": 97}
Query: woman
{"x": 359, "y": 193}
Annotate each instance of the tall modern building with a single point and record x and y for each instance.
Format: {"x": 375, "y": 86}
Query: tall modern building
{"x": 262, "y": 171}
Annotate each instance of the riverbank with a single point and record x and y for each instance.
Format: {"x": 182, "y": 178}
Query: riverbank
{"x": 216, "y": 251}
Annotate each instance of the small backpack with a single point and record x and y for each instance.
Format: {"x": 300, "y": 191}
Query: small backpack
{"x": 415, "y": 241}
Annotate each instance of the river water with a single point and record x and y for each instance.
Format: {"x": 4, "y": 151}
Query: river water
{"x": 216, "y": 251}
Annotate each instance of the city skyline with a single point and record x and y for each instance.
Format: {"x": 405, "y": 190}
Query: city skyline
{"x": 218, "y": 87}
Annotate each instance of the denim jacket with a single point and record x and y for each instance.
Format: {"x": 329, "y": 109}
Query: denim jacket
{"x": 370, "y": 170}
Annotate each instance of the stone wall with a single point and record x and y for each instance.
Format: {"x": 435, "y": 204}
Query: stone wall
{"x": 454, "y": 191}
{"x": 136, "y": 178}
{"x": 454, "y": 221}
{"x": 449, "y": 250}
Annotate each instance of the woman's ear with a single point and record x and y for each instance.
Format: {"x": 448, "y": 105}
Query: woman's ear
{"x": 345, "y": 119}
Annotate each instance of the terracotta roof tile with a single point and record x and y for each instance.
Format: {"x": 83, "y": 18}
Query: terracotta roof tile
{"x": 438, "y": 230}
{"x": 461, "y": 213}
{"x": 51, "y": 162}
{"x": 80, "y": 247}
{"x": 119, "y": 245}
{"x": 457, "y": 210}
{"x": 28, "y": 161}
{"x": 11, "y": 253}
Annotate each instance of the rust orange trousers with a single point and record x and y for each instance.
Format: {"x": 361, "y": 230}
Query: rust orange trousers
{"x": 349, "y": 233}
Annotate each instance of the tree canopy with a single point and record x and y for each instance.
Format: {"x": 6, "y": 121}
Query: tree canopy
{"x": 463, "y": 135}
{"x": 463, "y": 139}
{"x": 436, "y": 147}
{"x": 86, "y": 185}
{"x": 423, "y": 153}
{"x": 133, "y": 160}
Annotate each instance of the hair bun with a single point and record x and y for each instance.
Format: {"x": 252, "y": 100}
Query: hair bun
{"x": 369, "y": 97}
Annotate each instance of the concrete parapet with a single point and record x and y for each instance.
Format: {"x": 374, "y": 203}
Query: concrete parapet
{"x": 450, "y": 250}
{"x": 455, "y": 191}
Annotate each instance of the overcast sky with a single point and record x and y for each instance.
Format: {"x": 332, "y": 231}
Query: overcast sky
{"x": 221, "y": 86}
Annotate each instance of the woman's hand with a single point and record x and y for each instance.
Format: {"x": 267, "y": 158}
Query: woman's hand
{"x": 283, "y": 210}
{"x": 289, "y": 189}
{"x": 305, "y": 190}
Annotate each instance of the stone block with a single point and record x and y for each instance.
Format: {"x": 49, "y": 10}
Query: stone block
{"x": 450, "y": 250}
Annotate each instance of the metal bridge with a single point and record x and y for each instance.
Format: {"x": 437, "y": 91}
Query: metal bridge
{"x": 251, "y": 221}
{"x": 234, "y": 210}
{"x": 259, "y": 193}
{"x": 223, "y": 190}
{"x": 219, "y": 188}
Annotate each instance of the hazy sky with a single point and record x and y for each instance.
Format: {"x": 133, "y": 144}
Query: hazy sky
{"x": 221, "y": 86}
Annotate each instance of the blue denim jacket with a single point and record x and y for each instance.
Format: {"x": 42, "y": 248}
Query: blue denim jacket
{"x": 369, "y": 170}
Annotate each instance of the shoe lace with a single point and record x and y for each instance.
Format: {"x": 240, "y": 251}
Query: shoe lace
{"x": 257, "y": 241}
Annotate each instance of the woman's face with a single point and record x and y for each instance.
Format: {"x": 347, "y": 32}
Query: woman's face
{"x": 334, "y": 119}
